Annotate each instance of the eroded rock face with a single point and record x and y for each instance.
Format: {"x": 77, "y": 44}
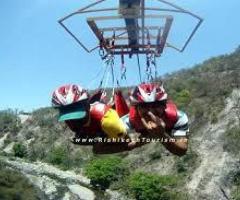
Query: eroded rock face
{"x": 9, "y": 148}
{"x": 82, "y": 192}
{"x": 53, "y": 182}
{"x": 2, "y": 140}
{"x": 209, "y": 180}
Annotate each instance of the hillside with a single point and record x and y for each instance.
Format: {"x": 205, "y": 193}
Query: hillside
{"x": 209, "y": 92}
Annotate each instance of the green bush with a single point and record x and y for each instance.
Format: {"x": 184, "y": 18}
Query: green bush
{"x": 57, "y": 156}
{"x": 19, "y": 150}
{"x": 145, "y": 186}
{"x": 236, "y": 194}
{"x": 236, "y": 182}
{"x": 9, "y": 121}
{"x": 104, "y": 171}
{"x": 183, "y": 98}
{"x": 36, "y": 151}
{"x": 15, "y": 186}
{"x": 214, "y": 118}
{"x": 155, "y": 155}
{"x": 187, "y": 163}
{"x": 232, "y": 140}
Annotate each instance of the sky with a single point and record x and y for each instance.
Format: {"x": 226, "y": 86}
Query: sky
{"x": 37, "y": 55}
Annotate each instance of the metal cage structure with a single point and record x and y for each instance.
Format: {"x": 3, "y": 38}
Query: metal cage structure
{"x": 135, "y": 36}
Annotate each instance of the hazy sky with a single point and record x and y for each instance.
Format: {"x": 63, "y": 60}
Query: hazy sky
{"x": 37, "y": 55}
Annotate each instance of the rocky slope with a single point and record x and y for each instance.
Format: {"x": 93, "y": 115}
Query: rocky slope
{"x": 207, "y": 171}
{"x": 210, "y": 178}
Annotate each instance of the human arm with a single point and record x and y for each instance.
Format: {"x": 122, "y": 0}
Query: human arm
{"x": 156, "y": 128}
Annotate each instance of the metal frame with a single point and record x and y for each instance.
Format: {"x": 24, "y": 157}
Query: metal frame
{"x": 125, "y": 49}
{"x": 156, "y": 48}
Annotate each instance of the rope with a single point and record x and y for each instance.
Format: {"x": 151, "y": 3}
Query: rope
{"x": 123, "y": 68}
{"x": 106, "y": 81}
{"x": 106, "y": 67}
{"x": 154, "y": 63}
{"x": 139, "y": 69}
{"x": 148, "y": 70}
{"x": 93, "y": 80}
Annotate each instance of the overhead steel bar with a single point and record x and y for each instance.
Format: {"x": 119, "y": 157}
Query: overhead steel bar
{"x": 91, "y": 5}
{"x": 115, "y": 9}
{"x": 128, "y": 16}
{"x": 125, "y": 46}
{"x": 124, "y": 28}
{"x": 98, "y": 34}
{"x": 173, "y": 47}
{"x": 75, "y": 38}
{"x": 131, "y": 52}
{"x": 164, "y": 36}
{"x": 81, "y": 10}
{"x": 126, "y": 38}
{"x": 143, "y": 19}
{"x": 191, "y": 35}
{"x": 180, "y": 8}
{"x": 176, "y": 9}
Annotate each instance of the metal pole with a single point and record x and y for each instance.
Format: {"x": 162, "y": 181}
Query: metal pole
{"x": 143, "y": 20}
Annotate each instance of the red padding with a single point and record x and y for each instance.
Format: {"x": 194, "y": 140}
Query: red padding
{"x": 120, "y": 104}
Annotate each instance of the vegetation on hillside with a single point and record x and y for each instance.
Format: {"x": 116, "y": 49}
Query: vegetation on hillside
{"x": 105, "y": 171}
{"x": 9, "y": 121}
{"x": 113, "y": 172}
{"x": 15, "y": 186}
{"x": 200, "y": 91}
{"x": 149, "y": 186}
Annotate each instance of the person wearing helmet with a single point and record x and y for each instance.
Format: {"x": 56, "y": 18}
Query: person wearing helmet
{"x": 88, "y": 119}
{"x": 153, "y": 115}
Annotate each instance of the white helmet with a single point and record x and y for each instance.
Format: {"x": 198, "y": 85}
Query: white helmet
{"x": 68, "y": 94}
{"x": 147, "y": 93}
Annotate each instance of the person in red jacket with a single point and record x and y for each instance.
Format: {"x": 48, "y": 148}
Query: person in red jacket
{"x": 154, "y": 116}
{"x": 92, "y": 122}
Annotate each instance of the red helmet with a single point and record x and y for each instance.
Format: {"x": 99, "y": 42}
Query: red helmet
{"x": 68, "y": 94}
{"x": 147, "y": 93}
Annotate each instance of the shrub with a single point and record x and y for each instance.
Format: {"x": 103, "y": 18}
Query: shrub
{"x": 104, "y": 171}
{"x": 9, "y": 121}
{"x": 214, "y": 118}
{"x": 57, "y": 155}
{"x": 19, "y": 150}
{"x": 187, "y": 162}
{"x": 232, "y": 140}
{"x": 36, "y": 151}
{"x": 155, "y": 155}
{"x": 15, "y": 186}
{"x": 145, "y": 186}
{"x": 183, "y": 98}
{"x": 45, "y": 117}
{"x": 235, "y": 194}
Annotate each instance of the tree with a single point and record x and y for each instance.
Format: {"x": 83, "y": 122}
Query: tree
{"x": 146, "y": 186}
{"x": 105, "y": 171}
{"x": 19, "y": 150}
